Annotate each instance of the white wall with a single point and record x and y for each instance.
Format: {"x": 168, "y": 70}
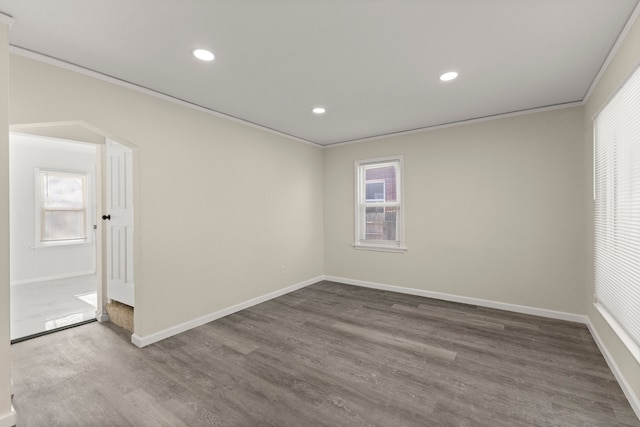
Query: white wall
{"x": 28, "y": 263}
{"x": 498, "y": 210}
{"x": 493, "y": 211}
{"x": 222, "y": 205}
{"x": 7, "y": 415}
{"x": 623, "y": 64}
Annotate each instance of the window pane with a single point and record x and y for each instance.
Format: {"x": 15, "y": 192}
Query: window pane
{"x": 375, "y": 191}
{"x": 617, "y": 212}
{"x": 63, "y": 225}
{"x": 63, "y": 191}
{"x": 380, "y": 223}
{"x": 384, "y": 178}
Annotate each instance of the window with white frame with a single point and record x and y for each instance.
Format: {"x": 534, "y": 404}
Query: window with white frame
{"x": 379, "y": 210}
{"x": 62, "y": 215}
{"x": 374, "y": 190}
{"x": 617, "y": 213}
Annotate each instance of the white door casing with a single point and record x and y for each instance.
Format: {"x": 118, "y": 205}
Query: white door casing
{"x": 119, "y": 207}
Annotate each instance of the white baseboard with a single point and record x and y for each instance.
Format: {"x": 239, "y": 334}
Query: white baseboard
{"x": 561, "y": 315}
{"x": 143, "y": 341}
{"x": 53, "y": 277}
{"x": 633, "y": 399}
{"x": 9, "y": 419}
{"x": 104, "y": 317}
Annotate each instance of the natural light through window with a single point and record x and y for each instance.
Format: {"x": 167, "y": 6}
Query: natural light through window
{"x": 379, "y": 212}
{"x": 617, "y": 213}
{"x": 63, "y": 212}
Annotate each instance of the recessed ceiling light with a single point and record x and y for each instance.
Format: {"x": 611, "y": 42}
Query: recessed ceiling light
{"x": 203, "y": 54}
{"x": 319, "y": 110}
{"x": 448, "y": 76}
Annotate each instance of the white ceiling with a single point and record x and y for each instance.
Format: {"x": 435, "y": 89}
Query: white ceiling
{"x": 373, "y": 64}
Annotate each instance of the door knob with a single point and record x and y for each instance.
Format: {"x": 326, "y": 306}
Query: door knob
{"x": 107, "y": 217}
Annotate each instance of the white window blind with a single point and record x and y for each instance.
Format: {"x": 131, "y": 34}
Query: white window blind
{"x": 617, "y": 212}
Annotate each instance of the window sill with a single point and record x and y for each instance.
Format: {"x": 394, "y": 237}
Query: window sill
{"x": 380, "y": 248}
{"x": 626, "y": 339}
{"x": 66, "y": 244}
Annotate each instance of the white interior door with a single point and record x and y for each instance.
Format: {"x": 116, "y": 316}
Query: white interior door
{"x": 119, "y": 223}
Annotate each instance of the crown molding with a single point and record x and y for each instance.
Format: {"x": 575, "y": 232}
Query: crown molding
{"x": 36, "y": 56}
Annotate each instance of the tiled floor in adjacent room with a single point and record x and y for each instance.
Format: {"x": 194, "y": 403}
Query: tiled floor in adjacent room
{"x": 43, "y": 306}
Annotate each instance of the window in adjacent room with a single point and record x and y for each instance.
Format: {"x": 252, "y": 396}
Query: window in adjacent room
{"x": 379, "y": 210}
{"x": 62, "y": 207}
{"x": 617, "y": 213}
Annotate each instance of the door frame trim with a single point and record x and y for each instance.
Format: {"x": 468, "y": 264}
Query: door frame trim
{"x": 98, "y": 138}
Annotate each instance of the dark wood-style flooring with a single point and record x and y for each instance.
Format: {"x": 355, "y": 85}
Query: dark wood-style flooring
{"x": 326, "y": 355}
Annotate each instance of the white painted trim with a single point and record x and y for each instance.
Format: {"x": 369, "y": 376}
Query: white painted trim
{"x": 459, "y": 123}
{"x": 623, "y": 336}
{"x": 535, "y": 311}
{"x": 25, "y": 128}
{"x": 7, "y": 20}
{"x": 104, "y": 317}
{"x": 143, "y": 341}
{"x": 15, "y": 130}
{"x": 633, "y": 399}
{"x": 360, "y": 203}
{"x": 371, "y": 247}
{"x": 9, "y": 419}
{"x": 88, "y": 196}
{"x": 109, "y": 79}
{"x": 141, "y": 89}
{"x": 53, "y": 277}
{"x": 612, "y": 53}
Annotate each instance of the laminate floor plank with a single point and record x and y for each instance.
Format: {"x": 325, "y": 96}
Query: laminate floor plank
{"x": 326, "y": 355}
{"x": 340, "y": 369}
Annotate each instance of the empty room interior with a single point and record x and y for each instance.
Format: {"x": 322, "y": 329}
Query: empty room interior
{"x": 325, "y": 213}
